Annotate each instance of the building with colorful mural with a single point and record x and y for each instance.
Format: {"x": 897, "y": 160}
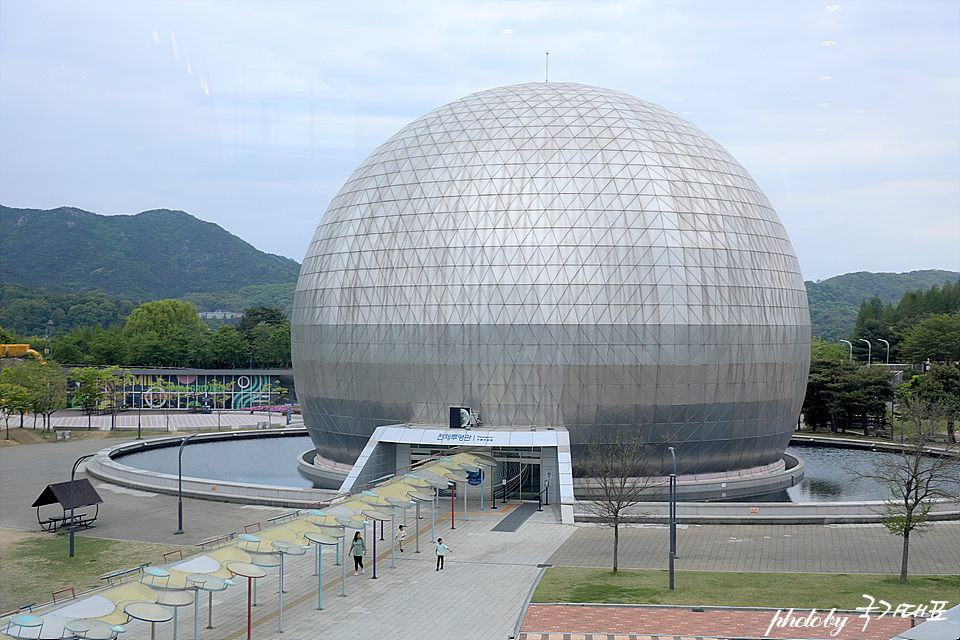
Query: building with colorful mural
{"x": 199, "y": 389}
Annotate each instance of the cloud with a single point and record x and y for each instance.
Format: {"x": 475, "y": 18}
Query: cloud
{"x": 241, "y": 110}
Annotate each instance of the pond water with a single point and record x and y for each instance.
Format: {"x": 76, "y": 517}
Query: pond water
{"x": 273, "y": 461}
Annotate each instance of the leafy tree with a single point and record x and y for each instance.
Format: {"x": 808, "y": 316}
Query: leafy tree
{"x": 106, "y": 346}
{"x": 820, "y": 404}
{"x": 867, "y": 395}
{"x": 271, "y": 344}
{"x": 165, "y": 333}
{"x": 617, "y": 472}
{"x": 916, "y": 477}
{"x": 13, "y": 399}
{"x": 228, "y": 348}
{"x": 45, "y": 383}
{"x": 89, "y": 392}
{"x": 271, "y": 391}
{"x": 7, "y": 338}
{"x": 219, "y": 394}
{"x": 940, "y": 386}
{"x": 936, "y": 338}
{"x": 839, "y": 393}
{"x": 829, "y": 351}
{"x": 260, "y": 315}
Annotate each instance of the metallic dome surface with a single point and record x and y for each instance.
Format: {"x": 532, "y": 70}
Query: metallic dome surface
{"x": 554, "y": 255}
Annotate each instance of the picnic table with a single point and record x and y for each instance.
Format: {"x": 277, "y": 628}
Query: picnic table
{"x": 84, "y": 495}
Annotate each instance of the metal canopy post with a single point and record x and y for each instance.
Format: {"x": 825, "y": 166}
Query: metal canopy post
{"x": 374, "y": 549}
{"x": 673, "y": 515}
{"x": 343, "y": 568}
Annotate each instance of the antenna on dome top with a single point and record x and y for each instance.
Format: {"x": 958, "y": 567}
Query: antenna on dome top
{"x": 546, "y": 74}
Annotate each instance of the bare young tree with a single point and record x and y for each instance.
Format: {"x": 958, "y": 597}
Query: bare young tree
{"x": 917, "y": 476}
{"x": 617, "y": 469}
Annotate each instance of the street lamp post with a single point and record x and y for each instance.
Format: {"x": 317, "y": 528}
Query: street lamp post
{"x": 49, "y": 328}
{"x": 72, "y": 499}
{"x": 183, "y": 443}
{"x": 897, "y": 394}
{"x": 887, "y": 361}
{"x": 673, "y": 514}
{"x": 851, "y": 348}
{"x": 869, "y": 350}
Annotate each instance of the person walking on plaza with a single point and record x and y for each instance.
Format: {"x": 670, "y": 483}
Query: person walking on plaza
{"x": 401, "y": 536}
{"x": 441, "y": 551}
{"x": 359, "y": 548}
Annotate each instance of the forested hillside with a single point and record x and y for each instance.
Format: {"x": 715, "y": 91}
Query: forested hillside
{"x": 153, "y": 255}
{"x": 26, "y": 312}
{"x": 835, "y": 302}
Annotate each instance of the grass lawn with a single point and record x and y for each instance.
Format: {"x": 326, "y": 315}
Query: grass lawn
{"x": 706, "y": 588}
{"x": 35, "y": 565}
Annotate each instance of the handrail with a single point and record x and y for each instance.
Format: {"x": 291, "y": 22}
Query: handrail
{"x": 223, "y": 540}
{"x": 540, "y": 499}
{"x": 170, "y": 553}
{"x": 73, "y": 594}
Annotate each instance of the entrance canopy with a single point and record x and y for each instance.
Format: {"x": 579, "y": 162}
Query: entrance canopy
{"x": 389, "y": 450}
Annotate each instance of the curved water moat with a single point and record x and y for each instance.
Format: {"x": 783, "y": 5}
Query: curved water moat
{"x": 273, "y": 461}
{"x": 262, "y": 460}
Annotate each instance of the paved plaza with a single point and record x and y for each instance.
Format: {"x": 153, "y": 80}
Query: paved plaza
{"x": 488, "y": 576}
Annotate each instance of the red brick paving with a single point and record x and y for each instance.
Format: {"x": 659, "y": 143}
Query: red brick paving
{"x": 543, "y": 622}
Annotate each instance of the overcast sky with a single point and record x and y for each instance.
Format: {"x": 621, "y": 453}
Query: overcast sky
{"x": 252, "y": 114}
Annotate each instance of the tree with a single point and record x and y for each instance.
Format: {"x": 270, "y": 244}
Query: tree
{"x": 838, "y": 393}
{"x": 260, "y": 315}
{"x": 166, "y": 333}
{"x": 829, "y": 351}
{"x": 916, "y": 477}
{"x": 46, "y": 385}
{"x": 160, "y": 396}
{"x": 219, "y": 394}
{"x": 940, "y": 386}
{"x": 13, "y": 399}
{"x": 228, "y": 348}
{"x": 936, "y": 338}
{"x": 271, "y": 389}
{"x": 89, "y": 392}
{"x": 867, "y": 395}
{"x": 617, "y": 474}
{"x": 820, "y": 406}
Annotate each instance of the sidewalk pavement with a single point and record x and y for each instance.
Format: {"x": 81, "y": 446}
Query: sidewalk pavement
{"x": 488, "y": 575}
{"x": 599, "y": 622}
{"x": 153, "y": 420}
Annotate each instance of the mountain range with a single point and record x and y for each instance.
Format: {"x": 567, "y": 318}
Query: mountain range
{"x": 152, "y": 255}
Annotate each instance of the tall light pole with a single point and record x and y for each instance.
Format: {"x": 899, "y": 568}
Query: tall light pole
{"x": 887, "y": 361}
{"x": 72, "y": 499}
{"x": 869, "y": 350}
{"x": 49, "y": 350}
{"x": 183, "y": 443}
{"x": 673, "y": 514}
{"x": 851, "y": 348}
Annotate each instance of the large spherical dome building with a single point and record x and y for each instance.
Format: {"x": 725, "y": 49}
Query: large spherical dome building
{"x": 554, "y": 255}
